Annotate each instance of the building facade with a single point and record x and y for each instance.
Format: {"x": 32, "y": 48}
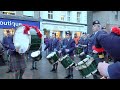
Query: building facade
{"x": 61, "y": 21}
{"x": 107, "y": 18}
{"x": 11, "y": 19}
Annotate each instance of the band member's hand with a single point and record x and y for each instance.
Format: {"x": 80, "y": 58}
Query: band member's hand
{"x": 94, "y": 51}
{"x": 76, "y": 45}
{"x": 103, "y": 69}
{"x": 67, "y": 50}
{"x": 55, "y": 50}
{"x": 59, "y": 51}
{"x": 103, "y": 77}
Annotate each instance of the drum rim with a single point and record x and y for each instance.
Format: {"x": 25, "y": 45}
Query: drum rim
{"x": 88, "y": 75}
{"x": 69, "y": 65}
{"x": 84, "y": 66}
{"x": 61, "y": 59}
{"x": 52, "y": 53}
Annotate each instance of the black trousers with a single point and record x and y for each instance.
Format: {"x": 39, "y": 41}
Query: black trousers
{"x": 34, "y": 64}
{"x": 2, "y": 62}
{"x": 19, "y": 73}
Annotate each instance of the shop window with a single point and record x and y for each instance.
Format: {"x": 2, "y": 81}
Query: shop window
{"x": 57, "y": 34}
{"x": 12, "y": 31}
{"x": 28, "y": 13}
{"x": 78, "y": 34}
{"x": 9, "y": 12}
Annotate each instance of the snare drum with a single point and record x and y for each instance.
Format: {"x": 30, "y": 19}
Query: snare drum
{"x": 66, "y": 61}
{"x": 36, "y": 55}
{"x": 78, "y": 50}
{"x": 29, "y": 41}
{"x": 87, "y": 67}
{"x": 52, "y": 58}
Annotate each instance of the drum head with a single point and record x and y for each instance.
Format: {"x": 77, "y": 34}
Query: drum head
{"x": 51, "y": 54}
{"x": 23, "y": 39}
{"x": 35, "y": 54}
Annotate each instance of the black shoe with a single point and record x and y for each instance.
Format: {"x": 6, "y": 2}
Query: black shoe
{"x": 32, "y": 68}
{"x": 52, "y": 70}
{"x": 9, "y": 71}
{"x": 68, "y": 76}
{"x": 71, "y": 76}
{"x": 55, "y": 71}
{"x": 35, "y": 68}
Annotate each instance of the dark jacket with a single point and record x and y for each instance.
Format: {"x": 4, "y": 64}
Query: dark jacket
{"x": 7, "y": 41}
{"x": 92, "y": 40}
{"x": 68, "y": 45}
{"x": 52, "y": 45}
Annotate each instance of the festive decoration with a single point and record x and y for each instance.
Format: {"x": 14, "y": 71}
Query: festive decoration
{"x": 38, "y": 31}
{"x": 27, "y": 28}
{"x": 99, "y": 50}
{"x": 116, "y": 30}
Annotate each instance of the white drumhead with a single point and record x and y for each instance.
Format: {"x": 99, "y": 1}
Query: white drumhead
{"x": 23, "y": 39}
{"x": 51, "y": 54}
{"x": 35, "y": 54}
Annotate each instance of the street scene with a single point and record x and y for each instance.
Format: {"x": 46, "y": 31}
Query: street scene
{"x": 59, "y": 45}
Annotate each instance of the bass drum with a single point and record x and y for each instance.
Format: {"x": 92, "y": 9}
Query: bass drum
{"x": 35, "y": 40}
{"x": 27, "y": 42}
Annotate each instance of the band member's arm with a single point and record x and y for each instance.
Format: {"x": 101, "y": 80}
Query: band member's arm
{"x": 97, "y": 47}
{"x": 4, "y": 44}
{"x": 57, "y": 45}
{"x": 114, "y": 70}
{"x": 72, "y": 46}
{"x": 47, "y": 45}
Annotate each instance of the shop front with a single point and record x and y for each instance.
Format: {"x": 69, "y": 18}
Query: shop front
{"x": 11, "y": 24}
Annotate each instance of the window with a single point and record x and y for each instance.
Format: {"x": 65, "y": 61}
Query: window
{"x": 68, "y": 16}
{"x": 78, "y": 17}
{"x": 62, "y": 18}
{"x": 9, "y": 12}
{"x": 50, "y": 14}
{"x": 63, "y": 15}
{"x": 116, "y": 15}
{"x": 28, "y": 13}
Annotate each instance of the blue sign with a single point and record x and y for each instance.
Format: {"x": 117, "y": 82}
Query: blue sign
{"x": 12, "y": 23}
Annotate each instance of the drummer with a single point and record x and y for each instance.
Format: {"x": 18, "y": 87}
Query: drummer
{"x": 83, "y": 42}
{"x": 53, "y": 46}
{"x": 7, "y": 40}
{"x": 103, "y": 41}
{"x": 68, "y": 48}
{"x": 96, "y": 32}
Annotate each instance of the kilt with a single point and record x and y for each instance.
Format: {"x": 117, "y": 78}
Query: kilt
{"x": 17, "y": 62}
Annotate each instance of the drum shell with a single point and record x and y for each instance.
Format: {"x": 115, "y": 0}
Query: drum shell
{"x": 86, "y": 71}
{"x": 78, "y": 50}
{"x": 67, "y": 62}
{"x": 53, "y": 59}
{"x": 39, "y": 57}
{"x": 35, "y": 42}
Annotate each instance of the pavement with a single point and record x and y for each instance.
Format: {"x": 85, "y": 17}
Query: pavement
{"x": 43, "y": 71}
